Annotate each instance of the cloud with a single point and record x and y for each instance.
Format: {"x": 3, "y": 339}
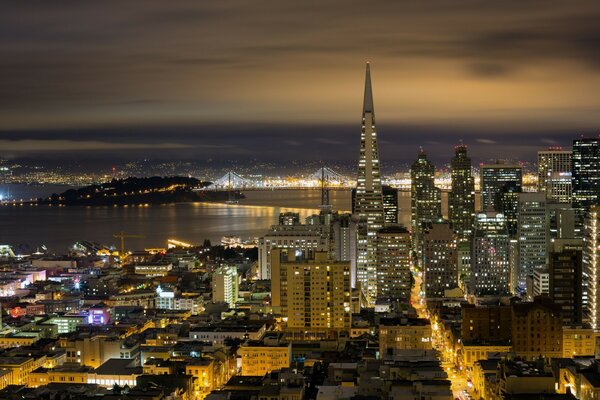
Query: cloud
{"x": 486, "y": 141}
{"x": 31, "y": 146}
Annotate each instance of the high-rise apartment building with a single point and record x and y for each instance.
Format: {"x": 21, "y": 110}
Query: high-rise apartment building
{"x": 301, "y": 240}
{"x": 490, "y": 272}
{"x": 393, "y": 263}
{"x": 532, "y": 232}
{"x": 494, "y": 179}
{"x": 439, "y": 260}
{"x": 426, "y": 199}
{"x": 554, "y": 174}
{"x": 591, "y": 265}
{"x": 369, "y": 198}
{"x": 586, "y": 174}
{"x": 461, "y": 199}
{"x": 225, "y": 285}
{"x": 314, "y": 294}
{"x": 565, "y": 270}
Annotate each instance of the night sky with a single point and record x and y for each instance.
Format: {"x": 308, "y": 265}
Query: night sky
{"x": 284, "y": 79}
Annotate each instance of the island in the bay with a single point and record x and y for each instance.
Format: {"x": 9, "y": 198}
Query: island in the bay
{"x": 136, "y": 191}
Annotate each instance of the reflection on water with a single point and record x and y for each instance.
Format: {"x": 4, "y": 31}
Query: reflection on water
{"x": 59, "y": 227}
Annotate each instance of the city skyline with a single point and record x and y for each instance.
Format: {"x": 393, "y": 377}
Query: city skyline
{"x": 197, "y": 79}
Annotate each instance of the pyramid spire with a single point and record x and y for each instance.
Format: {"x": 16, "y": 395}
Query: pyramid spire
{"x": 368, "y": 104}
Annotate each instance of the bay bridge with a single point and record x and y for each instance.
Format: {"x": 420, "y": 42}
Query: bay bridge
{"x": 323, "y": 177}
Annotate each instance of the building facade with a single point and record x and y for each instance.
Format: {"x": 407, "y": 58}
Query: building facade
{"x": 554, "y": 174}
{"x": 393, "y": 263}
{"x": 440, "y": 260}
{"x": 461, "y": 199}
{"x": 490, "y": 273}
{"x": 369, "y": 198}
{"x": 426, "y": 199}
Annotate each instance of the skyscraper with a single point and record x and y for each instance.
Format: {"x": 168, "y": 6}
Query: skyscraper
{"x": 461, "y": 199}
{"x": 390, "y": 203}
{"x": 565, "y": 270}
{"x": 490, "y": 256}
{"x": 532, "y": 232}
{"x": 554, "y": 174}
{"x": 440, "y": 260}
{"x": 393, "y": 263}
{"x": 369, "y": 199}
{"x": 494, "y": 179}
{"x": 591, "y": 265}
{"x": 426, "y": 199}
{"x": 586, "y": 173}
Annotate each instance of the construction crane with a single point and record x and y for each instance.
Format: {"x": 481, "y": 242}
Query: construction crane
{"x": 122, "y": 235}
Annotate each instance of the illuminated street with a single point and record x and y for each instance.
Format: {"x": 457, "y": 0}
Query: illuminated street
{"x": 457, "y": 378}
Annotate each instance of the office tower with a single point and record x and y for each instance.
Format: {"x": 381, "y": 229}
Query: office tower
{"x": 514, "y": 285}
{"x": 494, "y": 179}
{"x": 560, "y": 222}
{"x": 426, "y": 199}
{"x": 314, "y": 294}
{"x": 301, "y": 240}
{"x": 393, "y": 263}
{"x": 461, "y": 199}
{"x": 369, "y": 199}
{"x": 225, "y": 285}
{"x": 554, "y": 174}
{"x": 507, "y": 203}
{"x": 565, "y": 271}
{"x": 289, "y": 218}
{"x": 490, "y": 273}
{"x": 531, "y": 233}
{"x": 537, "y": 329}
{"x": 390, "y": 204}
{"x": 463, "y": 250}
{"x": 591, "y": 265}
{"x": 440, "y": 259}
{"x": 586, "y": 174}
{"x": 540, "y": 283}
{"x": 343, "y": 230}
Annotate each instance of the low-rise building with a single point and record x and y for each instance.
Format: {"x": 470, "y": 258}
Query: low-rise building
{"x": 259, "y": 358}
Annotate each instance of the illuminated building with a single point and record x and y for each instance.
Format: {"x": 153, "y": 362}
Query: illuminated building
{"x": 579, "y": 341}
{"x": 225, "y": 285}
{"x": 537, "y": 329}
{"x": 425, "y": 200}
{"x": 565, "y": 271}
{"x": 289, "y": 218}
{"x": 369, "y": 198}
{"x": 403, "y": 334}
{"x": 390, "y": 203}
{"x": 314, "y": 294}
{"x": 494, "y": 179}
{"x": 507, "y": 203}
{"x": 303, "y": 240}
{"x": 98, "y": 315}
{"x": 560, "y": 220}
{"x": 440, "y": 260}
{"x": 591, "y": 265}
{"x": 554, "y": 174}
{"x": 531, "y": 233}
{"x": 153, "y": 269}
{"x": 393, "y": 264}
{"x": 461, "y": 199}
{"x": 343, "y": 235}
{"x": 586, "y": 173}
{"x": 490, "y": 273}
{"x": 260, "y": 358}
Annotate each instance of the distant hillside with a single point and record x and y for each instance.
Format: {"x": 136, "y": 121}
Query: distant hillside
{"x": 130, "y": 191}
